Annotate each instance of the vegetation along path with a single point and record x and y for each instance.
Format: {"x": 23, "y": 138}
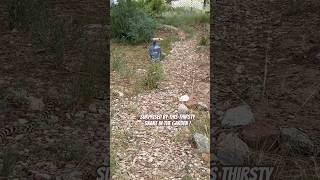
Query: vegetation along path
{"x": 155, "y": 152}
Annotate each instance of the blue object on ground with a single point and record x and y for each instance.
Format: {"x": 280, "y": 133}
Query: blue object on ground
{"x": 154, "y": 51}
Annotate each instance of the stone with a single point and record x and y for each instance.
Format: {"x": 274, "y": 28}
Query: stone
{"x": 184, "y": 98}
{"x": 102, "y": 111}
{"x": 191, "y": 103}
{"x": 53, "y": 92}
{"x": 68, "y": 115}
{"x": 318, "y": 56}
{"x": 239, "y": 69}
{"x": 53, "y": 119}
{"x": 202, "y": 106}
{"x": 36, "y": 104}
{"x": 22, "y": 121}
{"x": 261, "y": 135}
{"x": 205, "y": 157}
{"x": 117, "y": 93}
{"x": 93, "y": 108}
{"x": 73, "y": 175}
{"x": 296, "y": 140}
{"x": 238, "y": 116}
{"x": 80, "y": 114}
{"x": 40, "y": 176}
{"x": 202, "y": 142}
{"x": 231, "y": 150}
{"x": 183, "y": 109}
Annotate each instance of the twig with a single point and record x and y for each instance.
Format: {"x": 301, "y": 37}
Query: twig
{"x": 309, "y": 97}
{"x": 192, "y": 82}
{"x": 265, "y": 69}
{"x": 85, "y": 157}
{"x": 234, "y": 93}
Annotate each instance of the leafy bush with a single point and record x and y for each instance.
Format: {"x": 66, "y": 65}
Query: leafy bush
{"x": 155, "y": 7}
{"x": 129, "y": 23}
{"x": 153, "y": 76}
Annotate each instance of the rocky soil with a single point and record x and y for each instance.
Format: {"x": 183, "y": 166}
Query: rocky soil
{"x": 266, "y": 67}
{"x": 71, "y": 140}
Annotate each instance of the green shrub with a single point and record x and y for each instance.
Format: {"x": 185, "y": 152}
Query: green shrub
{"x": 180, "y": 17}
{"x": 156, "y": 7}
{"x": 129, "y": 23}
{"x": 153, "y": 7}
{"x": 153, "y": 76}
{"x": 203, "y": 41}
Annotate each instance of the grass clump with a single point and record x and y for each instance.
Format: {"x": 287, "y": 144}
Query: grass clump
{"x": 73, "y": 151}
{"x": 201, "y": 124}
{"x": 131, "y": 24}
{"x": 9, "y": 161}
{"x": 19, "y": 13}
{"x": 203, "y": 41}
{"x": 119, "y": 65}
{"x": 153, "y": 76}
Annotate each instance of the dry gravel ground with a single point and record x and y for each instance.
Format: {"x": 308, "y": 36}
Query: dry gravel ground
{"x": 149, "y": 152}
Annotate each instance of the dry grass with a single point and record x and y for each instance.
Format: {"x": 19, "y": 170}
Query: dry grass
{"x": 287, "y": 164}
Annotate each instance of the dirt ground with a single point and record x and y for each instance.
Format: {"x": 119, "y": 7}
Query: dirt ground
{"x": 285, "y": 90}
{"x": 33, "y": 71}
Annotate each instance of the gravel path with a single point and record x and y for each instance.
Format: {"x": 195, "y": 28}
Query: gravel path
{"x": 149, "y": 152}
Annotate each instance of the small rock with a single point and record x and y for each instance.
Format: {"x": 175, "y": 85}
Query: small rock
{"x": 183, "y": 109}
{"x": 14, "y": 30}
{"x": 296, "y": 140}
{"x": 184, "y": 98}
{"x": 93, "y": 108}
{"x": 238, "y": 116}
{"x": 53, "y": 92}
{"x": 141, "y": 71}
{"x": 53, "y": 119}
{"x": 102, "y": 111}
{"x": 318, "y": 56}
{"x": 239, "y": 69}
{"x": 36, "y": 104}
{"x": 150, "y": 160}
{"x": 68, "y": 116}
{"x": 40, "y": 176}
{"x": 205, "y": 157}
{"x": 117, "y": 93}
{"x": 202, "y": 142}
{"x": 18, "y": 137}
{"x": 202, "y": 106}
{"x": 80, "y": 114}
{"x": 73, "y": 175}
{"x": 22, "y": 121}
{"x": 232, "y": 150}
